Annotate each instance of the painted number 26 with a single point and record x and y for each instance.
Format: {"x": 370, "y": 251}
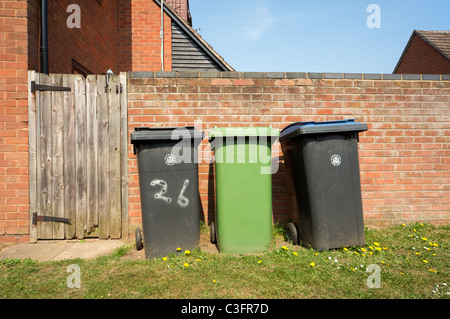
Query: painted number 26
{"x": 182, "y": 200}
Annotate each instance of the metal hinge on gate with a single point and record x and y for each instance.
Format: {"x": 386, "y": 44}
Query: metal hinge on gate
{"x": 40, "y": 218}
{"x": 41, "y": 87}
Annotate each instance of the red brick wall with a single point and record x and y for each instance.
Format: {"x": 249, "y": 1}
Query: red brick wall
{"x": 422, "y": 58}
{"x": 13, "y": 121}
{"x": 404, "y": 157}
{"x": 138, "y": 37}
{"x": 93, "y": 45}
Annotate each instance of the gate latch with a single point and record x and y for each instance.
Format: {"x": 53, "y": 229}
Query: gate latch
{"x": 40, "y": 218}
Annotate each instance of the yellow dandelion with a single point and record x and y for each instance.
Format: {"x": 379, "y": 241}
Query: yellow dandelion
{"x": 403, "y": 225}
{"x": 414, "y": 230}
{"x": 364, "y": 250}
{"x": 259, "y": 261}
{"x": 433, "y": 270}
{"x": 214, "y": 281}
{"x": 352, "y": 269}
{"x": 435, "y": 245}
{"x": 186, "y": 265}
{"x": 376, "y": 244}
{"x": 164, "y": 258}
{"x": 285, "y": 248}
{"x": 199, "y": 260}
{"x": 385, "y": 248}
{"x": 424, "y": 239}
{"x": 312, "y": 264}
{"x": 425, "y": 261}
{"x": 187, "y": 252}
{"x": 421, "y": 224}
{"x": 345, "y": 249}
{"x": 294, "y": 253}
{"x": 378, "y": 248}
{"x": 364, "y": 255}
{"x": 417, "y": 254}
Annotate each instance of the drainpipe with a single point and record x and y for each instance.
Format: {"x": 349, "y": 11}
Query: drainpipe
{"x": 162, "y": 35}
{"x": 44, "y": 46}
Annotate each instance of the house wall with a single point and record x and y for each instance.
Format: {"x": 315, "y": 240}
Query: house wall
{"x": 13, "y": 120}
{"x": 423, "y": 58}
{"x": 404, "y": 157}
{"x": 93, "y": 45}
{"x": 138, "y": 36}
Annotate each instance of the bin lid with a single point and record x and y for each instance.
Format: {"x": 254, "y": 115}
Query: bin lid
{"x": 303, "y": 128}
{"x": 219, "y": 132}
{"x": 164, "y": 133}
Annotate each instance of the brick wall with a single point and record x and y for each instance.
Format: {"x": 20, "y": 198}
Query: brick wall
{"x": 93, "y": 45}
{"x": 138, "y": 37}
{"x": 404, "y": 157}
{"x": 13, "y": 121}
{"x": 423, "y": 58}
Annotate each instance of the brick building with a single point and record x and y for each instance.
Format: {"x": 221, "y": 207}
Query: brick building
{"x": 427, "y": 52}
{"x": 405, "y": 160}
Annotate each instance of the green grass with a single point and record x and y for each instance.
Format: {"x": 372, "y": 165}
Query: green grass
{"x": 413, "y": 259}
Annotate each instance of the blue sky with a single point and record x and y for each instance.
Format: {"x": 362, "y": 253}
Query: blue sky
{"x": 314, "y": 36}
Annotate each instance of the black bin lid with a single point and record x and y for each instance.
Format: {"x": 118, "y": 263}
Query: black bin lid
{"x": 164, "y": 133}
{"x": 303, "y": 128}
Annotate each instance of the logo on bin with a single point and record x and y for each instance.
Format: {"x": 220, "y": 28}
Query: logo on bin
{"x": 170, "y": 159}
{"x": 336, "y": 160}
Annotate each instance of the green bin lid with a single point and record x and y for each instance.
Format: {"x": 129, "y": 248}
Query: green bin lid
{"x": 220, "y": 132}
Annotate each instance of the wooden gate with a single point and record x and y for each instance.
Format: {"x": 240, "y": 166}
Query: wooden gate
{"x": 78, "y": 156}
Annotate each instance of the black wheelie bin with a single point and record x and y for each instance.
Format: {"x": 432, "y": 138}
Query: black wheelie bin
{"x": 322, "y": 167}
{"x": 168, "y": 181}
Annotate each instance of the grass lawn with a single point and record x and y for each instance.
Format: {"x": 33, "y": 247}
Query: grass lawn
{"x": 410, "y": 262}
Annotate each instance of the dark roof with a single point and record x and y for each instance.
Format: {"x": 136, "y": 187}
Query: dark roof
{"x": 195, "y": 37}
{"x": 439, "y": 40}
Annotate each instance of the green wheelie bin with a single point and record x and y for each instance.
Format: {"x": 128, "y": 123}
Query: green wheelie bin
{"x": 243, "y": 188}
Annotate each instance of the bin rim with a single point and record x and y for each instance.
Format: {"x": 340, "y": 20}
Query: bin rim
{"x": 220, "y": 132}
{"x": 303, "y": 128}
{"x": 162, "y": 133}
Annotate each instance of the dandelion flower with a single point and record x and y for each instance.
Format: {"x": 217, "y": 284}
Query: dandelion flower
{"x": 378, "y": 248}
{"x": 214, "y": 281}
{"x": 433, "y": 270}
{"x": 345, "y": 249}
{"x": 414, "y": 230}
{"x": 259, "y": 261}
{"x": 376, "y": 244}
{"x": 285, "y": 248}
{"x": 164, "y": 258}
{"x": 424, "y": 239}
{"x": 385, "y": 248}
{"x": 364, "y": 250}
{"x": 187, "y": 252}
{"x": 352, "y": 269}
{"x": 425, "y": 261}
{"x": 421, "y": 224}
{"x": 312, "y": 264}
{"x": 403, "y": 225}
{"x": 186, "y": 265}
{"x": 294, "y": 253}
{"x": 199, "y": 260}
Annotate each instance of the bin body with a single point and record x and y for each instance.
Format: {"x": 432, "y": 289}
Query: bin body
{"x": 243, "y": 188}
{"x": 323, "y": 165}
{"x": 168, "y": 181}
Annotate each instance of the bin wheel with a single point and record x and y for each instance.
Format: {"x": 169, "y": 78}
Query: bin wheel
{"x": 212, "y": 232}
{"x": 139, "y": 243}
{"x": 291, "y": 233}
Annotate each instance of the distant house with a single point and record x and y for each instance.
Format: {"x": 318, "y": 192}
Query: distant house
{"x": 427, "y": 52}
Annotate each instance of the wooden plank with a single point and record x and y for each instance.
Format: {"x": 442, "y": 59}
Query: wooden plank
{"x": 103, "y": 157}
{"x": 80, "y": 155}
{"x": 114, "y": 158}
{"x": 92, "y": 153}
{"x": 45, "y": 191}
{"x": 57, "y": 156}
{"x": 69, "y": 157}
{"x": 124, "y": 152}
{"x": 32, "y": 152}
